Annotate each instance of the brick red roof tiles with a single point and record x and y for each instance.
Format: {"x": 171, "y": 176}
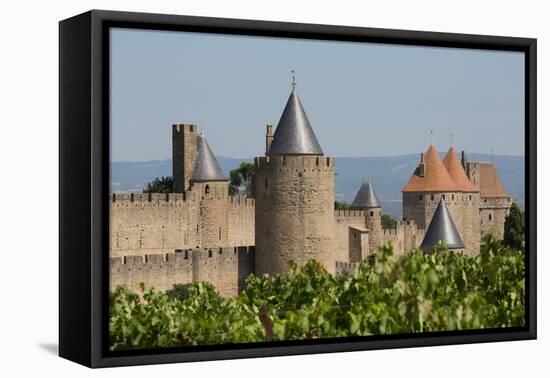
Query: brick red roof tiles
{"x": 435, "y": 179}
{"x": 490, "y": 184}
{"x": 456, "y": 171}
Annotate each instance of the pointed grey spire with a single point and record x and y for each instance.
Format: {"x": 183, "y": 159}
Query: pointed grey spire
{"x": 294, "y": 135}
{"x": 441, "y": 228}
{"x": 206, "y": 167}
{"x": 365, "y": 197}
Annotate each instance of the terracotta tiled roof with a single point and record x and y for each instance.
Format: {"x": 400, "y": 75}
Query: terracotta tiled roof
{"x": 456, "y": 171}
{"x": 435, "y": 179}
{"x": 490, "y": 184}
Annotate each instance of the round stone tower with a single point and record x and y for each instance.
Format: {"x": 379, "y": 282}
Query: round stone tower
{"x": 210, "y": 186}
{"x": 366, "y": 200}
{"x": 294, "y": 191}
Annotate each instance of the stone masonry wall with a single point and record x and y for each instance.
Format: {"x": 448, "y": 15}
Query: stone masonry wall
{"x": 184, "y": 155}
{"x": 241, "y": 220}
{"x": 343, "y": 220}
{"x": 358, "y": 244}
{"x": 143, "y": 224}
{"x": 492, "y": 214}
{"x": 213, "y": 213}
{"x": 463, "y": 207}
{"x": 225, "y": 268}
{"x": 294, "y": 211}
{"x": 374, "y": 224}
{"x": 154, "y": 223}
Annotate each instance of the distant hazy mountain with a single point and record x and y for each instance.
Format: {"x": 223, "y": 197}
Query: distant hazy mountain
{"x": 388, "y": 175}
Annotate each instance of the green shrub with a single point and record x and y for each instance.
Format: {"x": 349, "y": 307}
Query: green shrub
{"x": 414, "y": 293}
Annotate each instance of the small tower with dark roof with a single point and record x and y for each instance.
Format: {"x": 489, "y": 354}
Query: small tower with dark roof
{"x": 210, "y": 186}
{"x": 442, "y": 229}
{"x": 294, "y": 194}
{"x": 366, "y": 200}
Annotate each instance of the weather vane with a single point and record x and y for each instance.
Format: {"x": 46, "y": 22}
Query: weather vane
{"x": 293, "y": 79}
{"x": 451, "y": 134}
{"x": 431, "y": 137}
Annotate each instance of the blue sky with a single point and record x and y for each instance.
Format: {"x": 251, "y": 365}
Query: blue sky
{"x": 361, "y": 99}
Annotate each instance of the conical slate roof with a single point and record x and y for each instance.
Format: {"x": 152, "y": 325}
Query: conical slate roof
{"x": 441, "y": 228}
{"x": 457, "y": 172}
{"x": 365, "y": 197}
{"x": 294, "y": 135}
{"x": 435, "y": 179}
{"x": 206, "y": 166}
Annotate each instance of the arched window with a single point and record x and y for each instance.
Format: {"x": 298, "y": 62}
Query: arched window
{"x": 207, "y": 189}
{"x": 490, "y": 217}
{"x": 432, "y": 197}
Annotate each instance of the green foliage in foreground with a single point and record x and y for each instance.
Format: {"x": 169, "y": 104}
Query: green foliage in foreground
{"x": 415, "y": 293}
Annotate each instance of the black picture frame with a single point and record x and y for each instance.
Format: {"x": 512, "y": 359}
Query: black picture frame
{"x": 84, "y": 190}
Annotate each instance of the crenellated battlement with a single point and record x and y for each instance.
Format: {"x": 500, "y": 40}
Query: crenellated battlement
{"x": 350, "y": 214}
{"x": 241, "y": 200}
{"x": 225, "y": 268}
{"x": 180, "y": 128}
{"x": 388, "y": 232}
{"x": 316, "y": 163}
{"x": 153, "y": 198}
{"x": 180, "y": 256}
{"x": 496, "y": 202}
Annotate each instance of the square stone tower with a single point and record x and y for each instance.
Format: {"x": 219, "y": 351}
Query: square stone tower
{"x": 184, "y": 155}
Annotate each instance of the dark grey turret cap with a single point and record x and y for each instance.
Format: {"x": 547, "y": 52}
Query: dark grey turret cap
{"x": 206, "y": 166}
{"x": 442, "y": 228}
{"x": 365, "y": 197}
{"x": 294, "y": 135}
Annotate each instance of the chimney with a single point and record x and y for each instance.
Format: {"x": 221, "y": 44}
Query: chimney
{"x": 421, "y": 166}
{"x": 268, "y": 136}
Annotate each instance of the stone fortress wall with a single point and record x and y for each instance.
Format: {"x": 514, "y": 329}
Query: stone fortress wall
{"x": 224, "y": 268}
{"x": 200, "y": 233}
{"x": 142, "y": 224}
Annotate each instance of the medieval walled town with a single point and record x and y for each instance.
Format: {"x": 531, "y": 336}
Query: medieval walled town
{"x": 201, "y": 233}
